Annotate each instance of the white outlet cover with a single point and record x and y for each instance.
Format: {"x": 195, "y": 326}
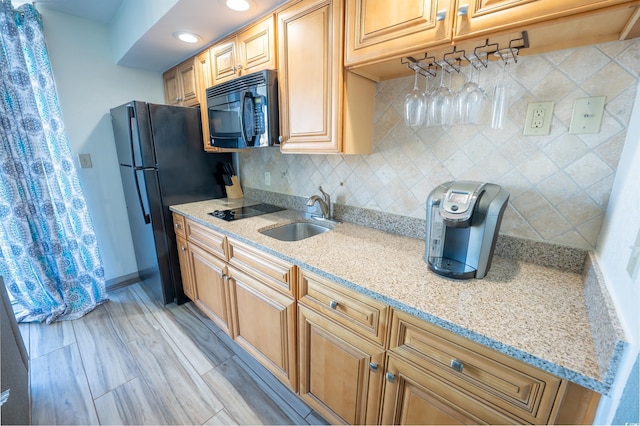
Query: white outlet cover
{"x": 538, "y": 120}
{"x": 587, "y": 115}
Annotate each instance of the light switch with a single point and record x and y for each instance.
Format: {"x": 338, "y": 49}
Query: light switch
{"x": 85, "y": 161}
{"x": 587, "y": 115}
{"x": 539, "y": 116}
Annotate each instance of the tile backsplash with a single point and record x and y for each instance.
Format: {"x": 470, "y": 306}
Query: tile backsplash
{"x": 559, "y": 183}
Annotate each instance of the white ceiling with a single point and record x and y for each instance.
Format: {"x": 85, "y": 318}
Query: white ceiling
{"x": 141, "y": 31}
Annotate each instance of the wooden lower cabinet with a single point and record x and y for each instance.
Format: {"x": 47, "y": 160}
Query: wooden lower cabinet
{"x": 340, "y": 372}
{"x": 211, "y": 283}
{"x": 416, "y": 396}
{"x": 354, "y": 359}
{"x": 264, "y": 324}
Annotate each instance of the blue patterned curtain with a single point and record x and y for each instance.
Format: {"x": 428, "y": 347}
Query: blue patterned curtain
{"x": 49, "y": 256}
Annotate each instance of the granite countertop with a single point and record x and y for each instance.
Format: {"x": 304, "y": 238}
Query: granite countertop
{"x": 533, "y": 313}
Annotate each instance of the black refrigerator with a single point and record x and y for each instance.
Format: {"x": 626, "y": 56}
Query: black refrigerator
{"x": 162, "y": 163}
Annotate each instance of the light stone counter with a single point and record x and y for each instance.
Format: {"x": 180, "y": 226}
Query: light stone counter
{"x": 533, "y": 313}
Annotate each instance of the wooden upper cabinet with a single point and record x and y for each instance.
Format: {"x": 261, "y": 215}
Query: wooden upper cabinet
{"x": 257, "y": 46}
{"x": 381, "y": 32}
{"x": 181, "y": 84}
{"x": 322, "y": 108}
{"x": 245, "y": 52}
{"x": 380, "y": 27}
{"x": 484, "y": 17}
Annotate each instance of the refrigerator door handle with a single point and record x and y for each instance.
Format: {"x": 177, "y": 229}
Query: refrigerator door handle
{"x": 145, "y": 215}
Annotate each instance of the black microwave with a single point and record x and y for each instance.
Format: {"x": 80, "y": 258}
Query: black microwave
{"x": 243, "y": 112}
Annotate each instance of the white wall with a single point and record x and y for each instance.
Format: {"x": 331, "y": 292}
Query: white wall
{"x": 620, "y": 232}
{"x": 89, "y": 84}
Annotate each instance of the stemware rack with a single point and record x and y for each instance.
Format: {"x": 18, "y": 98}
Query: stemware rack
{"x": 452, "y": 61}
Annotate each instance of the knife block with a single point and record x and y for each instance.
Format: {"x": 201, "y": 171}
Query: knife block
{"x": 235, "y": 190}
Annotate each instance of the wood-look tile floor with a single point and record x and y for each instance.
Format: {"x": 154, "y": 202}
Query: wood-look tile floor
{"x": 133, "y": 361}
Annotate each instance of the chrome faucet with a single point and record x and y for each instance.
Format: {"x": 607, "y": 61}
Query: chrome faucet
{"x": 324, "y": 202}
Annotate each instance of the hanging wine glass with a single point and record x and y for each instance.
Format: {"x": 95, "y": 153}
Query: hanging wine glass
{"x": 470, "y": 98}
{"x": 441, "y": 103}
{"x": 415, "y": 105}
{"x": 501, "y": 93}
{"x": 428, "y": 92}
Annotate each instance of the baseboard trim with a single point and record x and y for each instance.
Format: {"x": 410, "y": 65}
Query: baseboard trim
{"x": 122, "y": 281}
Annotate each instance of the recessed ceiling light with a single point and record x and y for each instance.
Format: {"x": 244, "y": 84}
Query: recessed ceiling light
{"x": 187, "y": 37}
{"x": 239, "y": 5}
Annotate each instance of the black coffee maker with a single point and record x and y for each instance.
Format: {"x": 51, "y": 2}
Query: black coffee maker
{"x": 463, "y": 219}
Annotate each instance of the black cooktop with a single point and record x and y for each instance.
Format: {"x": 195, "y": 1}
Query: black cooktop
{"x": 246, "y": 211}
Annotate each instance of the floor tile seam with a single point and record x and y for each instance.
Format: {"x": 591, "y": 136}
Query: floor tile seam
{"x": 113, "y": 390}
{"x": 84, "y": 376}
{"x": 218, "y": 412}
{"x": 124, "y": 346}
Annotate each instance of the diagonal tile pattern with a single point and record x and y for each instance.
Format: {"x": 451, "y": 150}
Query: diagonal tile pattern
{"x": 569, "y": 177}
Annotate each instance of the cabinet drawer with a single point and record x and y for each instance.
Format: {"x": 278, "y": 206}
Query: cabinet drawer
{"x": 179, "y": 225}
{"x": 500, "y": 381}
{"x": 270, "y": 270}
{"x": 213, "y": 241}
{"x": 359, "y": 313}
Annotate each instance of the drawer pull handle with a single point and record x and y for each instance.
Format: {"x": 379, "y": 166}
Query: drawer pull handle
{"x": 457, "y": 365}
{"x": 390, "y": 377}
{"x": 333, "y": 304}
{"x": 463, "y": 10}
{"x": 441, "y": 15}
{"x": 373, "y": 366}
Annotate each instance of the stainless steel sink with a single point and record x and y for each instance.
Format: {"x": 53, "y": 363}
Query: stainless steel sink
{"x": 295, "y": 231}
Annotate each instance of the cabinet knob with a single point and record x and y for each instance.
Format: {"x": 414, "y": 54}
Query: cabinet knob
{"x": 390, "y": 377}
{"x": 178, "y": 99}
{"x": 239, "y": 67}
{"x": 333, "y": 304}
{"x": 280, "y": 138}
{"x": 463, "y": 10}
{"x": 373, "y": 366}
{"x": 441, "y": 15}
{"x": 457, "y": 365}
{"x": 183, "y": 248}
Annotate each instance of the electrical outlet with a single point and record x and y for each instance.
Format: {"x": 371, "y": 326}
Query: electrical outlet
{"x": 85, "y": 161}
{"x": 538, "y": 120}
{"x": 267, "y": 178}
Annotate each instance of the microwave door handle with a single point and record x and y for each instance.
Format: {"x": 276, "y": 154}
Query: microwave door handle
{"x": 243, "y": 127}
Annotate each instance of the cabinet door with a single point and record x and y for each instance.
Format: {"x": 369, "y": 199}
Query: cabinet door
{"x": 340, "y": 373}
{"x": 380, "y": 29}
{"x": 188, "y": 82}
{"x": 264, "y": 324}
{"x": 185, "y": 268}
{"x": 482, "y": 17}
{"x": 415, "y": 396}
{"x": 171, "y": 88}
{"x": 257, "y": 46}
{"x": 310, "y": 58}
{"x": 211, "y": 286}
{"x": 224, "y": 61}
